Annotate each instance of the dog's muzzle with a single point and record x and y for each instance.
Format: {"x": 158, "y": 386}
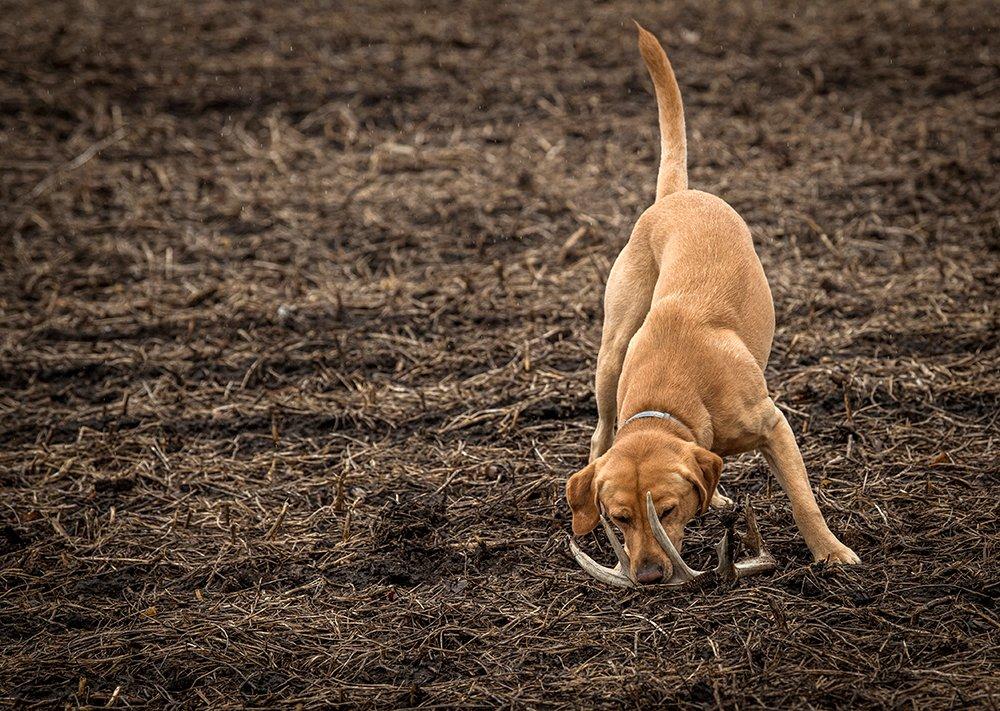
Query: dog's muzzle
{"x": 621, "y": 575}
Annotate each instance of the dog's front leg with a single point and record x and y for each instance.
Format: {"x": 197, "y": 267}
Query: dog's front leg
{"x": 609, "y": 368}
{"x": 721, "y": 502}
{"x": 785, "y": 460}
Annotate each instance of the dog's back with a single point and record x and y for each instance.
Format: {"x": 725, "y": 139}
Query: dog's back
{"x": 705, "y": 255}
{"x": 707, "y": 263}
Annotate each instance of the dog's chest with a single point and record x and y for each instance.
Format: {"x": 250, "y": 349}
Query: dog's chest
{"x": 742, "y": 431}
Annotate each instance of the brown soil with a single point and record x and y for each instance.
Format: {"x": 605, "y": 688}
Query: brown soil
{"x": 299, "y": 310}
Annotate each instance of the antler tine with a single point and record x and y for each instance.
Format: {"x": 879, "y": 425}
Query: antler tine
{"x": 596, "y": 570}
{"x": 763, "y": 561}
{"x": 682, "y": 572}
{"x": 620, "y": 576}
{"x": 753, "y": 538}
{"x": 624, "y": 565}
{"x": 724, "y": 550}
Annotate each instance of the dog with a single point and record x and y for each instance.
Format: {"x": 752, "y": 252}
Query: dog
{"x": 688, "y": 325}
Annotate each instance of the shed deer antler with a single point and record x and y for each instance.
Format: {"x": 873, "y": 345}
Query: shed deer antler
{"x": 682, "y": 573}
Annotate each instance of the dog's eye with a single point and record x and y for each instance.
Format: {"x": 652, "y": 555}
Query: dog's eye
{"x": 666, "y": 512}
{"x": 622, "y": 520}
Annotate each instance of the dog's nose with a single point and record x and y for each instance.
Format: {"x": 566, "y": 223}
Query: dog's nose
{"x": 649, "y": 573}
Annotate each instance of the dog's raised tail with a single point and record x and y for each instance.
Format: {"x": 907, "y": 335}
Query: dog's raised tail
{"x": 673, "y": 143}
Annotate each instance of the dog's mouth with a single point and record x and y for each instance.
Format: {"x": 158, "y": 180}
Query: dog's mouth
{"x": 621, "y": 575}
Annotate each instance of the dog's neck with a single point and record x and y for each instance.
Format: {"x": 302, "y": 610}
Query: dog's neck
{"x": 689, "y": 418}
{"x": 657, "y": 419}
{"x": 651, "y": 382}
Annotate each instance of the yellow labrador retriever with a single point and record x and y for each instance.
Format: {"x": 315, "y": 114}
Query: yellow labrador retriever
{"x": 688, "y": 323}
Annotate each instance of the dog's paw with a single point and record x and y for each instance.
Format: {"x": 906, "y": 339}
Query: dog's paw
{"x": 838, "y": 554}
{"x": 721, "y": 502}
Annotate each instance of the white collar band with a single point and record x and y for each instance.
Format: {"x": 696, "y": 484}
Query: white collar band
{"x": 649, "y": 413}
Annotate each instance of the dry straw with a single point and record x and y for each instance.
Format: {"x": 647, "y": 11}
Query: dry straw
{"x": 299, "y": 307}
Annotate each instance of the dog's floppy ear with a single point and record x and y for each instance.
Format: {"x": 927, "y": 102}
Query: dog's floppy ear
{"x": 710, "y": 465}
{"x": 582, "y": 500}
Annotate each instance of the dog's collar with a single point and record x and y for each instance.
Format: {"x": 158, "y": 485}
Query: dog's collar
{"x": 655, "y": 414}
{"x": 648, "y": 413}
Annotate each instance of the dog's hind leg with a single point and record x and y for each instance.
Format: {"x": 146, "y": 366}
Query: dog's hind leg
{"x": 626, "y": 303}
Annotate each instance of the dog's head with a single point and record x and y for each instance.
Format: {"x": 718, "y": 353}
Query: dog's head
{"x": 681, "y": 477}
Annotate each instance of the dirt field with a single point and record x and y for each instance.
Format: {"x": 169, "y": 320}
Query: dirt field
{"x": 299, "y": 311}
